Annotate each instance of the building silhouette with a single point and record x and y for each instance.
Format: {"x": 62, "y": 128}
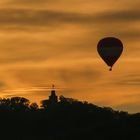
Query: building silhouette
{"x": 52, "y": 102}
{"x": 53, "y": 98}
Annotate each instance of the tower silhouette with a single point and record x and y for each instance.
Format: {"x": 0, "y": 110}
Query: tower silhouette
{"x": 53, "y": 98}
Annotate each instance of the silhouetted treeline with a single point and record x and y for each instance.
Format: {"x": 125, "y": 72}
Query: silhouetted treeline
{"x": 67, "y": 119}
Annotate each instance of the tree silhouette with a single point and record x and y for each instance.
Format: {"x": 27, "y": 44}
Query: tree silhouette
{"x": 34, "y": 106}
{"x": 67, "y": 119}
{"x": 44, "y": 104}
{"x": 19, "y": 103}
{"x": 4, "y": 103}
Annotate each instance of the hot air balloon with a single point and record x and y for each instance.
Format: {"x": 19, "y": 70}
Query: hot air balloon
{"x": 110, "y": 49}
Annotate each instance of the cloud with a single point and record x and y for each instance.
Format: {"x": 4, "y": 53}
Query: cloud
{"x": 32, "y": 1}
{"x": 40, "y": 17}
{"x": 130, "y": 80}
{"x": 72, "y": 75}
{"x": 96, "y": 23}
{"x": 26, "y": 17}
{"x": 74, "y": 81}
{"x": 121, "y": 15}
{"x": 95, "y": 2}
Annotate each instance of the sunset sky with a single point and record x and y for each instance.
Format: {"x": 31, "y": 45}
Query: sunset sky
{"x": 45, "y": 42}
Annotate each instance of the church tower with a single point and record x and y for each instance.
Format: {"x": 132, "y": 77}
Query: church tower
{"x": 53, "y": 99}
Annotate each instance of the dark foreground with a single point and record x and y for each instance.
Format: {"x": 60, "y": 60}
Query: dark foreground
{"x": 67, "y": 120}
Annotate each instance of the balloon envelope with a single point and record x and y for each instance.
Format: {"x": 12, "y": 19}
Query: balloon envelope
{"x": 110, "y": 49}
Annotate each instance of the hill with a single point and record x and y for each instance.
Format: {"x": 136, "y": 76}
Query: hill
{"x": 66, "y": 119}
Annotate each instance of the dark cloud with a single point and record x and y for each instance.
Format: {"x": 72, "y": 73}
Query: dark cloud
{"x": 76, "y": 75}
{"x": 122, "y": 15}
{"x": 32, "y": 2}
{"x": 34, "y": 20}
{"x": 36, "y": 2}
{"x": 73, "y": 75}
{"x": 38, "y": 17}
{"x": 133, "y": 34}
{"x": 129, "y": 80}
{"x": 46, "y": 17}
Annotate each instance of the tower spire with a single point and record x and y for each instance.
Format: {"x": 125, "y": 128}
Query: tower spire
{"x": 53, "y": 87}
{"x": 53, "y": 97}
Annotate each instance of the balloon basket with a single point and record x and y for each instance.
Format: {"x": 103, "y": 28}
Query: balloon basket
{"x": 110, "y": 69}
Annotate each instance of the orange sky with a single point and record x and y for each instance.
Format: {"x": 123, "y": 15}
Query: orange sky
{"x": 44, "y": 42}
